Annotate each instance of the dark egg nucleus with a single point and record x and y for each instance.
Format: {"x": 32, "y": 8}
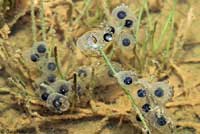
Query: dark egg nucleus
{"x": 159, "y": 92}
{"x": 128, "y": 23}
{"x": 141, "y": 93}
{"x": 146, "y": 107}
{"x": 121, "y": 14}
{"x": 128, "y": 80}
{"x": 51, "y": 78}
{"x": 41, "y": 48}
{"x": 44, "y": 96}
{"x": 63, "y": 89}
{"x": 82, "y": 73}
{"x": 34, "y": 57}
{"x": 51, "y": 66}
{"x": 161, "y": 121}
{"x": 126, "y": 42}
{"x": 57, "y": 103}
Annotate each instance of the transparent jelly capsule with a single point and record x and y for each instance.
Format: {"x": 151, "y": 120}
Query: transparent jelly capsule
{"x": 160, "y": 122}
{"x": 126, "y": 47}
{"x": 124, "y": 18}
{"x": 44, "y": 91}
{"x": 48, "y": 78}
{"x": 120, "y": 12}
{"x": 80, "y": 88}
{"x": 31, "y": 56}
{"x": 58, "y": 103}
{"x": 38, "y": 53}
{"x": 161, "y": 92}
{"x": 126, "y": 41}
{"x": 126, "y": 78}
{"x": 84, "y": 73}
{"x": 140, "y": 95}
{"x": 49, "y": 66}
{"x": 40, "y": 48}
{"x": 63, "y": 87}
{"x": 40, "y": 81}
{"x": 90, "y": 41}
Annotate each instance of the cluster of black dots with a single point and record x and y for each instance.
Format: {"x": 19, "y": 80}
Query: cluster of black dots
{"x": 57, "y": 93}
{"x": 120, "y": 30}
{"x": 117, "y": 30}
{"x": 152, "y": 98}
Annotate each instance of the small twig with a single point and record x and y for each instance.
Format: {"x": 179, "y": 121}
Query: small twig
{"x": 58, "y": 63}
{"x": 75, "y": 84}
{"x": 33, "y": 20}
{"x": 43, "y": 20}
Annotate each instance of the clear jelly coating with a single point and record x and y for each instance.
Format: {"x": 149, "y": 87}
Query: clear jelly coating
{"x": 90, "y": 42}
{"x": 161, "y": 92}
{"x": 84, "y": 73}
{"x": 120, "y": 12}
{"x": 48, "y": 78}
{"x": 126, "y": 41}
{"x": 40, "y": 48}
{"x": 49, "y": 66}
{"x": 160, "y": 121}
{"x": 44, "y": 91}
{"x": 126, "y": 78}
{"x": 58, "y": 102}
{"x": 63, "y": 87}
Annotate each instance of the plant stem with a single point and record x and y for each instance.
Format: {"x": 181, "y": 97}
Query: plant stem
{"x": 107, "y": 61}
{"x": 33, "y": 20}
{"x": 43, "y": 20}
{"x": 164, "y": 32}
{"x": 126, "y": 91}
{"x": 58, "y": 63}
{"x": 146, "y": 8}
{"x": 138, "y": 23}
{"x": 84, "y": 11}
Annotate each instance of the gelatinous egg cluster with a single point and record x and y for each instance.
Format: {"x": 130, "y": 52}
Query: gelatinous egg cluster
{"x": 118, "y": 30}
{"x": 151, "y": 98}
{"x": 57, "y": 93}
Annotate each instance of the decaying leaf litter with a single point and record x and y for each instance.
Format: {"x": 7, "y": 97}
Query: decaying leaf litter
{"x": 179, "y": 64}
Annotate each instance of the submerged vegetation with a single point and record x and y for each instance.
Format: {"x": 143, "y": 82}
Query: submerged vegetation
{"x": 97, "y": 67}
